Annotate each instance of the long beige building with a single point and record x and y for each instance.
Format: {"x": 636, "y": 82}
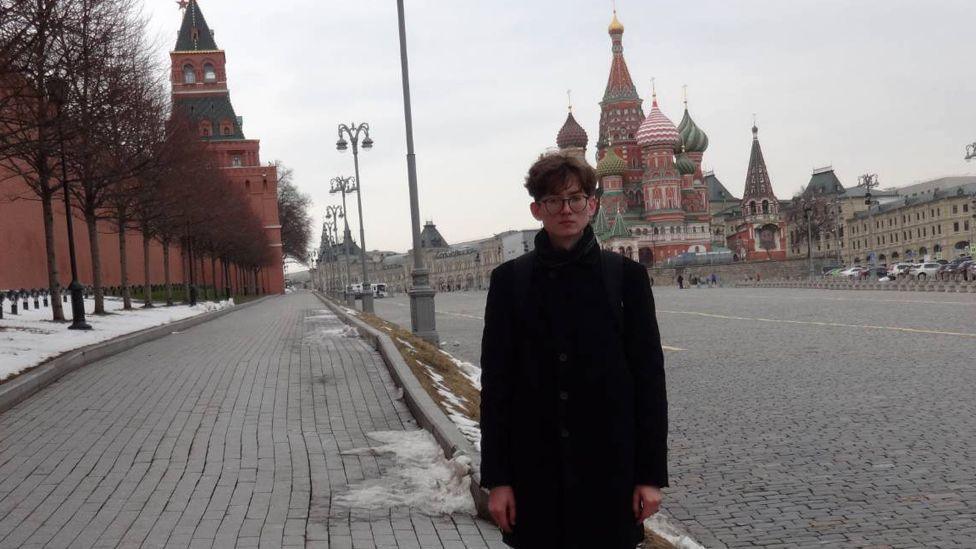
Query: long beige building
{"x": 931, "y": 220}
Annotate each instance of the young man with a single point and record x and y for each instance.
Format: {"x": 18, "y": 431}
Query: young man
{"x": 573, "y": 401}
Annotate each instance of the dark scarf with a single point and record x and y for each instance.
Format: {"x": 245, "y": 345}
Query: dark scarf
{"x": 584, "y": 251}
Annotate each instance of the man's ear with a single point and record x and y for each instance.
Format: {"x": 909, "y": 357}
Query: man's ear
{"x": 536, "y": 209}
{"x": 591, "y": 204}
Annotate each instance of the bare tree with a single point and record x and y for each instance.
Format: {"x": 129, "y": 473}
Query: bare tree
{"x": 296, "y": 223}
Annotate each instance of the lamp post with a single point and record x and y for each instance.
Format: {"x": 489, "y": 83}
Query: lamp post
{"x": 333, "y": 213}
{"x": 970, "y": 152}
{"x": 972, "y": 225}
{"x": 867, "y": 182}
{"x": 422, "y": 316}
{"x": 314, "y": 271}
{"x": 807, "y": 211}
{"x": 353, "y": 132}
{"x": 57, "y": 95}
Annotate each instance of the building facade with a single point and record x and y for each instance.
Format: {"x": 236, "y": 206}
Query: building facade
{"x": 200, "y": 93}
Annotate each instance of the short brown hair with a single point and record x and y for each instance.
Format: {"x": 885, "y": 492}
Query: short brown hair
{"x": 552, "y": 172}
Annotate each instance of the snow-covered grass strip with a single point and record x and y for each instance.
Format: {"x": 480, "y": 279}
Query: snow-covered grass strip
{"x": 31, "y": 338}
{"x": 420, "y": 478}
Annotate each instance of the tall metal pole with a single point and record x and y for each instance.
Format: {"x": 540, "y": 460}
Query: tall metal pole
{"x": 806, "y": 211}
{"x": 367, "y": 287}
{"x": 346, "y": 236}
{"x": 867, "y": 182}
{"x": 422, "y": 314}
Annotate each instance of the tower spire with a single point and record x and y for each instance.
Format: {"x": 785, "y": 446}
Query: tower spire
{"x": 195, "y": 34}
{"x": 569, "y": 96}
{"x": 654, "y": 91}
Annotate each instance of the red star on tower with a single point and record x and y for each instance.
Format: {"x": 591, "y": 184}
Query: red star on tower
{"x": 183, "y": 3}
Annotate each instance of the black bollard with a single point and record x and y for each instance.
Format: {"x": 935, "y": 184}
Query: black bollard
{"x": 13, "y": 301}
{"x": 1, "y": 305}
{"x": 45, "y": 293}
{"x": 23, "y": 297}
{"x": 37, "y": 298}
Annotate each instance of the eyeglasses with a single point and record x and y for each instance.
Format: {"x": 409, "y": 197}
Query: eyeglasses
{"x": 554, "y": 204}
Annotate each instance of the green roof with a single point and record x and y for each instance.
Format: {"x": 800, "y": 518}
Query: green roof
{"x": 195, "y": 35}
{"x": 717, "y": 191}
{"x": 215, "y": 108}
{"x": 824, "y": 182}
{"x": 600, "y": 225}
{"x": 619, "y": 229}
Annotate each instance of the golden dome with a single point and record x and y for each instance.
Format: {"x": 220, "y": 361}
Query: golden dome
{"x": 615, "y": 25}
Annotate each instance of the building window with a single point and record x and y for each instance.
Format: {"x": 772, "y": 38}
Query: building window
{"x": 235, "y": 161}
{"x": 264, "y": 185}
{"x": 955, "y": 208}
{"x": 209, "y": 73}
{"x": 189, "y": 75}
{"x": 965, "y": 208}
{"x": 247, "y": 185}
{"x": 955, "y": 227}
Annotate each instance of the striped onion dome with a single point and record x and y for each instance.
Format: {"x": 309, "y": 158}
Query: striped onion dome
{"x": 571, "y": 134}
{"x": 657, "y": 130}
{"x": 693, "y": 137}
{"x": 685, "y": 165}
{"x": 610, "y": 164}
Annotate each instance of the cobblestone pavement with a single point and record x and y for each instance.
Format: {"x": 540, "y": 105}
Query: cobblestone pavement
{"x": 230, "y": 434}
{"x": 808, "y": 418}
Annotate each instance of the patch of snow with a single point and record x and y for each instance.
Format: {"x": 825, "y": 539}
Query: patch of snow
{"x": 30, "y": 338}
{"x": 407, "y": 344}
{"x": 664, "y": 526}
{"x": 421, "y": 477}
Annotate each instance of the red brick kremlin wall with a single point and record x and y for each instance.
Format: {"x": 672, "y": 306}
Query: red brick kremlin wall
{"x": 23, "y": 255}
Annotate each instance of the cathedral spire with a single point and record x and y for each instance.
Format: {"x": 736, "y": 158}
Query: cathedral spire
{"x": 619, "y": 84}
{"x": 758, "y": 185}
{"x": 195, "y": 34}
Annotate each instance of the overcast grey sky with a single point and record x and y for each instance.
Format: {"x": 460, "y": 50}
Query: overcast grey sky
{"x": 883, "y": 86}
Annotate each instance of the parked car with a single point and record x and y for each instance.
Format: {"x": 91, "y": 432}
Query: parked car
{"x": 971, "y": 271}
{"x": 899, "y": 270}
{"x": 852, "y": 272}
{"x": 834, "y": 272}
{"x": 924, "y": 270}
{"x": 951, "y": 270}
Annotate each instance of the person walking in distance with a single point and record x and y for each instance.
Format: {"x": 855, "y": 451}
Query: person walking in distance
{"x": 681, "y": 282}
{"x": 574, "y": 412}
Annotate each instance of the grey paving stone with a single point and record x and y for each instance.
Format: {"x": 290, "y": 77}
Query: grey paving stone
{"x": 226, "y": 435}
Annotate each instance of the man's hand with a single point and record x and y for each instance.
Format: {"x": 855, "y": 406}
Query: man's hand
{"x": 647, "y": 501}
{"x": 501, "y": 505}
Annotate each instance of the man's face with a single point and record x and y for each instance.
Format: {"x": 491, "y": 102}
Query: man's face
{"x": 557, "y": 211}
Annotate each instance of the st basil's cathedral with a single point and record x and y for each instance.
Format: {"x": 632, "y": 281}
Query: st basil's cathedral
{"x": 655, "y": 202}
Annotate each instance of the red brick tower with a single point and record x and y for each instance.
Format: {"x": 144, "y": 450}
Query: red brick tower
{"x": 620, "y": 110}
{"x": 200, "y": 92}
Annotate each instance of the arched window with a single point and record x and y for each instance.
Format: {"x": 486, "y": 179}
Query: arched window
{"x": 189, "y": 75}
{"x": 205, "y": 129}
{"x": 209, "y": 73}
{"x": 264, "y": 185}
{"x": 765, "y": 206}
{"x": 752, "y": 208}
{"x": 247, "y": 185}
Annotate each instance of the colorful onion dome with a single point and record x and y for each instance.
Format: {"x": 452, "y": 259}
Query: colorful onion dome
{"x": 692, "y": 136}
{"x": 685, "y": 165}
{"x": 610, "y": 164}
{"x": 616, "y": 27}
{"x": 657, "y": 130}
{"x": 571, "y": 134}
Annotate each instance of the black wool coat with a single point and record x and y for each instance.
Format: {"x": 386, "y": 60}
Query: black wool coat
{"x": 573, "y": 401}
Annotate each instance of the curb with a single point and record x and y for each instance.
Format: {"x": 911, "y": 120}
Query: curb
{"x": 22, "y": 387}
{"x": 424, "y": 409}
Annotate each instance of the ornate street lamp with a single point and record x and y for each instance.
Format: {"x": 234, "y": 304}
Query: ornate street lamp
{"x": 57, "y": 90}
{"x": 353, "y": 132}
{"x": 333, "y": 213}
{"x": 867, "y": 182}
{"x": 807, "y": 213}
{"x": 422, "y": 316}
{"x": 970, "y": 152}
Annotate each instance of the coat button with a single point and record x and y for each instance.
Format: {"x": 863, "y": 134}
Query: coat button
{"x": 563, "y": 395}
{"x": 563, "y": 357}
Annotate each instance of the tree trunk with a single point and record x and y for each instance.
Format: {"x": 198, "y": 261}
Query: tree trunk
{"x": 169, "y": 285}
{"x": 203, "y": 277}
{"x": 96, "y": 259}
{"x": 126, "y": 298}
{"x": 146, "y": 286}
{"x": 57, "y": 310}
{"x": 213, "y": 276}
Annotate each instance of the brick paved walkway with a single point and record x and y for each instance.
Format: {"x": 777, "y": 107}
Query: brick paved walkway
{"x": 228, "y": 434}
